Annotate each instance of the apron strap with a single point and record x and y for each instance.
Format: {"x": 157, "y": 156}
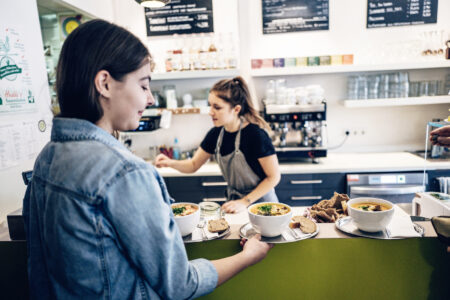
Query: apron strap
{"x": 237, "y": 141}
{"x": 219, "y": 140}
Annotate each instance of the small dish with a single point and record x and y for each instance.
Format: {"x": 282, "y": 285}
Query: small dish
{"x": 247, "y": 231}
{"x": 188, "y": 238}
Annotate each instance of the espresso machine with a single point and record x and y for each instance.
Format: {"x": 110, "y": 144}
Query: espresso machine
{"x": 298, "y": 131}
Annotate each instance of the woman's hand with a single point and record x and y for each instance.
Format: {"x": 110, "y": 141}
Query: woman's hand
{"x": 234, "y": 206}
{"x": 162, "y": 160}
{"x": 441, "y": 136}
{"x": 255, "y": 250}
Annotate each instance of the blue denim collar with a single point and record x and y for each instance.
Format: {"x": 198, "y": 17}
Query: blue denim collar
{"x": 70, "y": 129}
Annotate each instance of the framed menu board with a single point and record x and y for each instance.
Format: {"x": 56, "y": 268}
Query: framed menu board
{"x": 281, "y": 16}
{"x": 382, "y": 13}
{"x": 180, "y": 16}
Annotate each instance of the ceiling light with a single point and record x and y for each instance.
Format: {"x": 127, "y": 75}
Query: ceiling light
{"x": 154, "y": 3}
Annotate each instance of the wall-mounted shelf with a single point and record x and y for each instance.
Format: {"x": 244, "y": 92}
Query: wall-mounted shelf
{"x": 267, "y": 72}
{"x": 195, "y": 74}
{"x": 150, "y": 112}
{"x": 397, "y": 101}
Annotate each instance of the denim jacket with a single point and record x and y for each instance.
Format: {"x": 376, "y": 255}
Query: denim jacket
{"x": 99, "y": 224}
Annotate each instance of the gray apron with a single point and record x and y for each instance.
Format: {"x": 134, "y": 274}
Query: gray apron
{"x": 237, "y": 173}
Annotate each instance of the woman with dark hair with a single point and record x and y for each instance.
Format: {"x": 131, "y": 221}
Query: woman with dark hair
{"x": 242, "y": 148}
{"x": 98, "y": 219}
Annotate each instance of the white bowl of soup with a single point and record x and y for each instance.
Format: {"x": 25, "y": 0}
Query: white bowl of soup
{"x": 187, "y": 216}
{"x": 269, "y": 219}
{"x": 370, "y": 214}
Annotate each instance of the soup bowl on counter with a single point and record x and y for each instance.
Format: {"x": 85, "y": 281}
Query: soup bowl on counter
{"x": 187, "y": 216}
{"x": 269, "y": 219}
{"x": 370, "y": 214}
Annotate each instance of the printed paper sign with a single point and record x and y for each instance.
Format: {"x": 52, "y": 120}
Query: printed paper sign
{"x": 16, "y": 88}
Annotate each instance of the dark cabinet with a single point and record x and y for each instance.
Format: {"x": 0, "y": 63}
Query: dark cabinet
{"x": 308, "y": 189}
{"x": 433, "y": 183}
{"x": 293, "y": 189}
{"x": 196, "y": 188}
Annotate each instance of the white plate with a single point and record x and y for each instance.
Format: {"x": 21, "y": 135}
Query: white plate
{"x": 247, "y": 231}
{"x": 346, "y": 225}
{"x": 188, "y": 238}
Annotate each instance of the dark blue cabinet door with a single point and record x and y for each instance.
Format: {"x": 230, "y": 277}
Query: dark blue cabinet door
{"x": 196, "y": 188}
{"x": 308, "y": 189}
{"x": 293, "y": 189}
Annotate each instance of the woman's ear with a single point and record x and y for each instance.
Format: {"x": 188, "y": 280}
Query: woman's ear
{"x": 237, "y": 109}
{"x": 103, "y": 83}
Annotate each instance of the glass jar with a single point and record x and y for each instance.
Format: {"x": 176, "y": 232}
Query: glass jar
{"x": 210, "y": 210}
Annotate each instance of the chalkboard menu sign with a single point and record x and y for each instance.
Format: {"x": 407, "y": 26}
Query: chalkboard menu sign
{"x": 382, "y": 13}
{"x": 180, "y": 16}
{"x": 281, "y": 16}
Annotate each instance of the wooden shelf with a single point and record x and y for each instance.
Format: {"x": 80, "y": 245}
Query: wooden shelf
{"x": 289, "y": 71}
{"x": 195, "y": 74}
{"x": 426, "y": 100}
{"x": 151, "y": 112}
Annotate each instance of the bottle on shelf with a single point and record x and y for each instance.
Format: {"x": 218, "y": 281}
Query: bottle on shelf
{"x": 220, "y": 56}
{"x": 212, "y": 55}
{"x": 232, "y": 60}
{"x": 186, "y": 61}
{"x": 169, "y": 61}
{"x": 176, "y": 150}
{"x": 194, "y": 52}
{"x": 176, "y": 61}
{"x": 169, "y": 92}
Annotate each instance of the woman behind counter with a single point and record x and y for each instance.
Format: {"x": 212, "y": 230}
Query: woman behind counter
{"x": 98, "y": 219}
{"x": 242, "y": 149}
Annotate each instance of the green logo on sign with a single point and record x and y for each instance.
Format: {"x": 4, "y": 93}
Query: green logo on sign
{"x": 8, "y": 68}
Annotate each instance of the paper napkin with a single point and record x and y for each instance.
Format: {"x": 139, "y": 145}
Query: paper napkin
{"x": 401, "y": 225}
{"x": 288, "y": 235}
{"x": 197, "y": 234}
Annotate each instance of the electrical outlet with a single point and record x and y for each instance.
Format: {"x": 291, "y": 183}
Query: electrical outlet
{"x": 354, "y": 132}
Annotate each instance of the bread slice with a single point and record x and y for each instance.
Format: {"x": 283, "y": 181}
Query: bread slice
{"x": 344, "y": 207}
{"x": 217, "y": 225}
{"x": 305, "y": 224}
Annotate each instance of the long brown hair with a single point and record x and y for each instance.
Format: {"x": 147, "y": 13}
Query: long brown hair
{"x": 235, "y": 91}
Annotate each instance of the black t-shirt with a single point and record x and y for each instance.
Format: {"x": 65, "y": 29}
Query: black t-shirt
{"x": 255, "y": 143}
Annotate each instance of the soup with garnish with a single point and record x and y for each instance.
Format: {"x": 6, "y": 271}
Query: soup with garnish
{"x": 272, "y": 209}
{"x": 180, "y": 210}
{"x": 371, "y": 206}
